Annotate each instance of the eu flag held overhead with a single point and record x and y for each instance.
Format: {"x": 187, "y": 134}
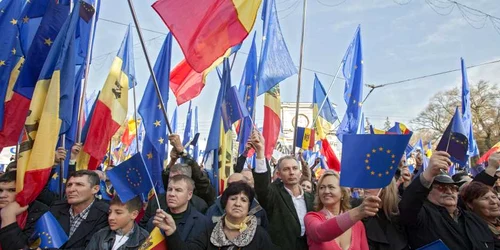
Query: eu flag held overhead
{"x": 454, "y": 140}
{"x": 232, "y": 108}
{"x": 370, "y": 161}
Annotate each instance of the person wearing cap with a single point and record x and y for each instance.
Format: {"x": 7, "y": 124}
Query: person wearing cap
{"x": 429, "y": 211}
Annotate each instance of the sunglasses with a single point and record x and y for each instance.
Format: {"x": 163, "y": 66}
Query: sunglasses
{"x": 443, "y": 188}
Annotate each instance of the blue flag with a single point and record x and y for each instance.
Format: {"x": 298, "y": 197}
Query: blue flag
{"x": 130, "y": 178}
{"x": 48, "y": 232}
{"x": 408, "y": 150}
{"x": 104, "y": 192}
{"x": 89, "y": 13}
{"x": 195, "y": 147}
{"x": 353, "y": 91}
{"x": 248, "y": 93}
{"x": 173, "y": 121}
{"x": 232, "y": 109}
{"x": 467, "y": 114}
{"x": 187, "y": 128}
{"x": 276, "y": 64}
{"x": 436, "y": 245}
{"x": 32, "y": 17}
{"x": 361, "y": 129}
{"x": 370, "y": 161}
{"x": 126, "y": 53}
{"x": 454, "y": 140}
{"x": 153, "y": 148}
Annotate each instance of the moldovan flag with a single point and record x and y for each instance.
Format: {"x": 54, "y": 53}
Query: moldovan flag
{"x": 206, "y": 29}
{"x": 155, "y": 241}
{"x": 51, "y": 99}
{"x": 272, "y": 120}
{"x": 110, "y": 108}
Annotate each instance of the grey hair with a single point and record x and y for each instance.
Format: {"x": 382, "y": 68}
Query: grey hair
{"x": 183, "y": 168}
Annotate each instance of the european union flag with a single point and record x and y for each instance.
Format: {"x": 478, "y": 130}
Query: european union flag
{"x": 104, "y": 192}
{"x": 131, "y": 178}
{"x": 153, "y": 148}
{"x": 187, "y": 129}
{"x": 232, "y": 108}
{"x": 454, "y": 140}
{"x": 48, "y": 233}
{"x": 467, "y": 114}
{"x": 126, "y": 53}
{"x": 276, "y": 64}
{"x": 370, "y": 161}
{"x": 436, "y": 245}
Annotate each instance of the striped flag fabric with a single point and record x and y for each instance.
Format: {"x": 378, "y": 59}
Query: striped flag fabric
{"x": 272, "y": 120}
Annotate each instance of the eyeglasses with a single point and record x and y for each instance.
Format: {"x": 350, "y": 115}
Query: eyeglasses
{"x": 443, "y": 188}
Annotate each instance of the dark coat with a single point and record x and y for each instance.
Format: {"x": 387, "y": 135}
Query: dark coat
{"x": 96, "y": 220}
{"x": 284, "y": 224}
{"x": 215, "y": 212}
{"x": 383, "y": 234}
{"x": 261, "y": 241}
{"x": 13, "y": 237}
{"x": 105, "y": 238}
{"x": 426, "y": 222}
{"x": 196, "y": 202}
{"x": 192, "y": 233}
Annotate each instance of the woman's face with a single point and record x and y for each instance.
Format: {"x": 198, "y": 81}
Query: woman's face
{"x": 486, "y": 206}
{"x": 329, "y": 191}
{"x": 237, "y": 206}
{"x": 307, "y": 186}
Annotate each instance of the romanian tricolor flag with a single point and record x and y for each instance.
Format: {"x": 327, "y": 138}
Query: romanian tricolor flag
{"x": 272, "y": 120}
{"x": 110, "y": 108}
{"x": 155, "y": 241}
{"x": 206, "y": 29}
{"x": 305, "y": 138}
{"x": 187, "y": 84}
{"x": 130, "y": 132}
{"x": 52, "y": 97}
{"x": 486, "y": 156}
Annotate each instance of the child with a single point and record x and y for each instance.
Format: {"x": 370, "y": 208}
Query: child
{"x": 123, "y": 232}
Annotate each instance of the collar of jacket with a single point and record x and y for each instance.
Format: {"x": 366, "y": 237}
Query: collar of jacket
{"x": 134, "y": 238}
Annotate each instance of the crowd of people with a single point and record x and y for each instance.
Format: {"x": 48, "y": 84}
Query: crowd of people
{"x": 278, "y": 204}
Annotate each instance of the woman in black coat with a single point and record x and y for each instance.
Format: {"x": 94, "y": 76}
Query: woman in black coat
{"x": 236, "y": 229}
{"x": 384, "y": 231}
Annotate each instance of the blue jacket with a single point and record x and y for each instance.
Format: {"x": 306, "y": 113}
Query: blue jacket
{"x": 215, "y": 212}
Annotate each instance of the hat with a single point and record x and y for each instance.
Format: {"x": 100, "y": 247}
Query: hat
{"x": 461, "y": 178}
{"x": 444, "y": 179}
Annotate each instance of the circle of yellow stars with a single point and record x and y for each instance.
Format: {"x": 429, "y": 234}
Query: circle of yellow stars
{"x": 389, "y": 168}
{"x": 461, "y": 142}
{"x": 139, "y": 177}
{"x": 49, "y": 238}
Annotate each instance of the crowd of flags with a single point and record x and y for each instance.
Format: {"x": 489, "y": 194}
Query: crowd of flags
{"x": 43, "y": 55}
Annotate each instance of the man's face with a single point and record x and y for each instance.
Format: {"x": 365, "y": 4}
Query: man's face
{"x": 178, "y": 194}
{"x": 445, "y": 195}
{"x": 289, "y": 172}
{"x": 7, "y": 193}
{"x": 79, "y": 190}
{"x": 119, "y": 216}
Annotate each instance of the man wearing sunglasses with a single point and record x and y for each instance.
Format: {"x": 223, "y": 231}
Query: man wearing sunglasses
{"x": 430, "y": 212}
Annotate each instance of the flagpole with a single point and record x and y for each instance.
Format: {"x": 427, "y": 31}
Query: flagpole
{"x": 85, "y": 80}
{"x": 327, "y": 93}
{"x": 300, "y": 75}
{"x": 150, "y": 66}
{"x": 61, "y": 167}
{"x": 135, "y": 121}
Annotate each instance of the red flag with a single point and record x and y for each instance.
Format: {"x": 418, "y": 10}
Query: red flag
{"x": 484, "y": 158}
{"x": 331, "y": 159}
{"x": 185, "y": 82}
{"x": 272, "y": 120}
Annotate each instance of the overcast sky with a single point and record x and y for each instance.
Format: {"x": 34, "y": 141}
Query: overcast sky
{"x": 399, "y": 42}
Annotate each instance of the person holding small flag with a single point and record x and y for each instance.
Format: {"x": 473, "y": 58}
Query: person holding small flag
{"x": 122, "y": 233}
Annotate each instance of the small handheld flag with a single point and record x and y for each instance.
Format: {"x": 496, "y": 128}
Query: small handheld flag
{"x": 130, "y": 178}
{"x": 232, "y": 108}
{"x": 48, "y": 233}
{"x": 155, "y": 241}
{"x": 370, "y": 161}
{"x": 454, "y": 140}
{"x": 305, "y": 138}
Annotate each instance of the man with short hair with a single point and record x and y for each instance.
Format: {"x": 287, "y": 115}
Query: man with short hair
{"x": 193, "y": 228}
{"x": 429, "y": 209}
{"x": 82, "y": 214}
{"x": 122, "y": 232}
{"x": 285, "y": 202}
{"x": 12, "y": 236}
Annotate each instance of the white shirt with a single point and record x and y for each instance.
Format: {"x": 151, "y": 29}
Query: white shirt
{"x": 299, "y": 202}
{"x": 119, "y": 241}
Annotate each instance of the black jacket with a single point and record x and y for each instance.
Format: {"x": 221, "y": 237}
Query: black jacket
{"x": 284, "y": 224}
{"x": 105, "y": 238}
{"x": 96, "y": 220}
{"x": 426, "y": 222}
{"x": 383, "y": 234}
{"x": 196, "y": 202}
{"x": 13, "y": 237}
{"x": 192, "y": 233}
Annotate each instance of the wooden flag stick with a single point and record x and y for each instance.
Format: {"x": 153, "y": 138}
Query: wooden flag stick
{"x": 135, "y": 121}
{"x": 61, "y": 168}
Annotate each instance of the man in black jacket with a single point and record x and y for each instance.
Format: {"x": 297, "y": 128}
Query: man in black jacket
{"x": 429, "y": 211}
{"x": 11, "y": 235}
{"x": 82, "y": 214}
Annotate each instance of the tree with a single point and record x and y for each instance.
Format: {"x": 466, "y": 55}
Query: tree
{"x": 387, "y": 124}
{"x": 485, "y": 107}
